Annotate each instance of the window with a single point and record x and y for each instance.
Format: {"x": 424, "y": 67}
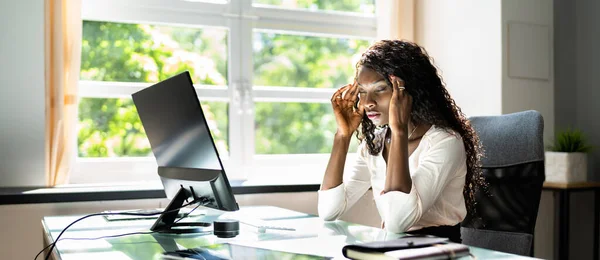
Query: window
{"x": 264, "y": 71}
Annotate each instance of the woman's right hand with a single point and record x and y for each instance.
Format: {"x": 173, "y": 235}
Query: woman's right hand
{"x": 347, "y": 117}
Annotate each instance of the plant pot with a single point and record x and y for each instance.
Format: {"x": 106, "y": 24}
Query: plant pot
{"x": 566, "y": 167}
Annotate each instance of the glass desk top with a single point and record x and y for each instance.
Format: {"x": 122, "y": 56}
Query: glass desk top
{"x": 312, "y": 239}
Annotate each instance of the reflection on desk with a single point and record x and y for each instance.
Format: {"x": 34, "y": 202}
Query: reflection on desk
{"x": 313, "y": 236}
{"x": 232, "y": 251}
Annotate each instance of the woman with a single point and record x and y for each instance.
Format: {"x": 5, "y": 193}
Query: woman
{"x": 417, "y": 151}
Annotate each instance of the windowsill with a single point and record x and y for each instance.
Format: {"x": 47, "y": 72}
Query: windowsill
{"x": 149, "y": 190}
{"x": 263, "y": 169}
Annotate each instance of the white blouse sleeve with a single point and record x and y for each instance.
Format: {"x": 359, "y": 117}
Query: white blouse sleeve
{"x": 356, "y": 181}
{"x": 400, "y": 210}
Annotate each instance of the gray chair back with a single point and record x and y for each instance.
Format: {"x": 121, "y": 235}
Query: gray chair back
{"x": 513, "y": 166}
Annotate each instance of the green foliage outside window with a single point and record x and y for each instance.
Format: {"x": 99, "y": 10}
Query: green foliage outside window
{"x": 300, "y": 61}
{"x": 110, "y": 127}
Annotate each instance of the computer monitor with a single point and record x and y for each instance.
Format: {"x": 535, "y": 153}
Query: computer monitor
{"x": 188, "y": 162}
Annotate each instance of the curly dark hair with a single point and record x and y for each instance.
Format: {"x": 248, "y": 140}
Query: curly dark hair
{"x": 432, "y": 103}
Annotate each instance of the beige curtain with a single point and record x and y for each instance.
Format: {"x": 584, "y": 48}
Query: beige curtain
{"x": 63, "y": 58}
{"x": 396, "y": 19}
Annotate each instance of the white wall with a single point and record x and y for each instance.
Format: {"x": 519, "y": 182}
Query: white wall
{"x": 22, "y": 93}
{"x": 463, "y": 37}
{"x": 528, "y": 59}
{"x": 470, "y": 45}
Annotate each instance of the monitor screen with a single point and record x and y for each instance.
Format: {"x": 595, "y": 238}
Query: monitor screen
{"x": 187, "y": 158}
{"x": 175, "y": 125}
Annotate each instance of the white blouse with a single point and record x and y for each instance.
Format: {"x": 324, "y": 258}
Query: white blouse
{"x": 438, "y": 169}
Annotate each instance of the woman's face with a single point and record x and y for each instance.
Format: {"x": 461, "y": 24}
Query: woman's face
{"x": 374, "y": 94}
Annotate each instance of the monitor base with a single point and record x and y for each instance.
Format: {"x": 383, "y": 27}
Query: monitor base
{"x": 166, "y": 222}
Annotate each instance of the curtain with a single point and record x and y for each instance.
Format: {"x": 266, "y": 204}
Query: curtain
{"x": 63, "y": 27}
{"x": 396, "y": 19}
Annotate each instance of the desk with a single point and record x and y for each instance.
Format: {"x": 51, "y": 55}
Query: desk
{"x": 562, "y": 209}
{"x": 313, "y": 236}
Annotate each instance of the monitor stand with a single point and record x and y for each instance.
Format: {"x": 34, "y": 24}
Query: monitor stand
{"x": 166, "y": 221}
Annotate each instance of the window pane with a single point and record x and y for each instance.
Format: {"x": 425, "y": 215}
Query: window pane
{"x": 295, "y": 128}
{"x": 355, "y": 6}
{"x": 111, "y": 127}
{"x": 149, "y": 53}
{"x": 305, "y": 61}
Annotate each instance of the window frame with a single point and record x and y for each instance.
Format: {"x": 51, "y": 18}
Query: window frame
{"x": 241, "y": 19}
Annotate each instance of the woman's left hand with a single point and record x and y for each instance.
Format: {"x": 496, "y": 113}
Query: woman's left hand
{"x": 400, "y": 106}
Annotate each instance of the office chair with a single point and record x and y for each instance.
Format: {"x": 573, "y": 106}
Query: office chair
{"x": 513, "y": 166}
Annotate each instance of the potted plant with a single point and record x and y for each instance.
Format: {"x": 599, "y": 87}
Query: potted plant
{"x": 566, "y": 158}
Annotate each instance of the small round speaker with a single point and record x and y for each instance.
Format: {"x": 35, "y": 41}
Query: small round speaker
{"x": 226, "y": 228}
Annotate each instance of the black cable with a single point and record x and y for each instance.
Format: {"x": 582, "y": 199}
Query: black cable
{"x": 38, "y": 254}
{"x": 53, "y": 244}
{"x": 127, "y": 234}
{"x": 204, "y": 202}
